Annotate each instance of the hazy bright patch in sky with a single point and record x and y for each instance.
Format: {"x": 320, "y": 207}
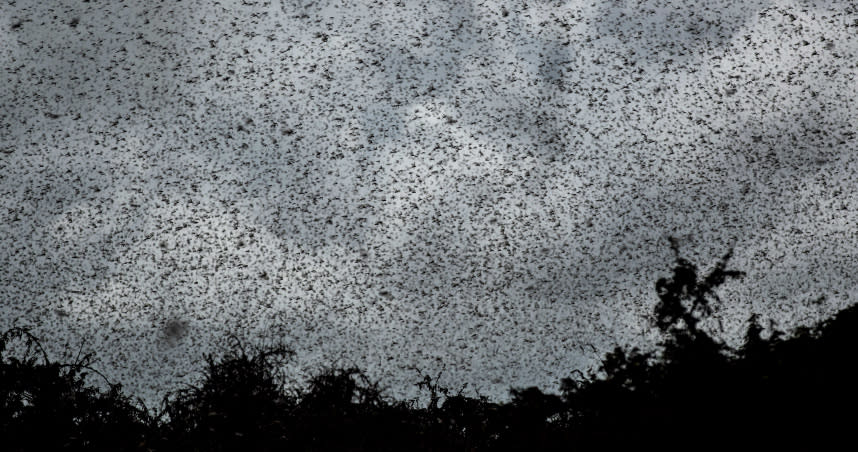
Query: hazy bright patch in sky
{"x": 486, "y": 186}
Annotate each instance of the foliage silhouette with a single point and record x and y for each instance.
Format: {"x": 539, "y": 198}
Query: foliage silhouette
{"x": 45, "y": 405}
{"x": 239, "y": 404}
{"x": 774, "y": 389}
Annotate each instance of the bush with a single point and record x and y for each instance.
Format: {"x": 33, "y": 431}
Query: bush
{"x": 49, "y": 406}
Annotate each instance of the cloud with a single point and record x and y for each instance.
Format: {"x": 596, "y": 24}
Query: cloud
{"x": 486, "y": 185}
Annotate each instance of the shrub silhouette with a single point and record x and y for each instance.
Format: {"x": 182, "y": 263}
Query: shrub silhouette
{"x": 343, "y": 410}
{"x": 685, "y": 299}
{"x": 777, "y": 389}
{"x": 240, "y": 403}
{"x": 45, "y": 405}
{"x": 681, "y": 389}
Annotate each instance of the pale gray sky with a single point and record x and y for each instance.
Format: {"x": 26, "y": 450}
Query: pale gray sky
{"x": 482, "y": 185}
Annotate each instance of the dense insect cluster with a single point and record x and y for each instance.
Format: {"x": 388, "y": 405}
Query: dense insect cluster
{"x": 476, "y": 183}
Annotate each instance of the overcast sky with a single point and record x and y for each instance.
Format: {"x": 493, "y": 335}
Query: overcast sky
{"x": 481, "y": 186}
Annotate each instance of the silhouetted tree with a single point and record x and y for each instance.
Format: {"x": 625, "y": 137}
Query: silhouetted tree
{"x": 239, "y": 404}
{"x": 685, "y": 299}
{"x": 46, "y": 405}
